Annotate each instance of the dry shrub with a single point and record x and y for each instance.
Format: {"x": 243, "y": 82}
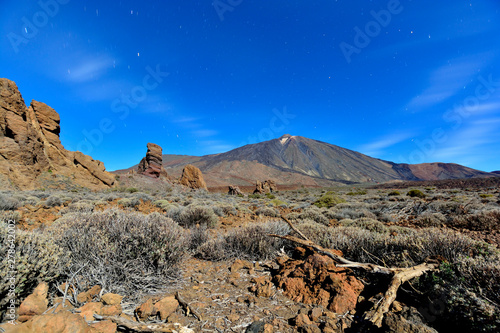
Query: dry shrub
{"x": 37, "y": 259}
{"x": 267, "y": 211}
{"x": 481, "y": 221}
{"x": 8, "y": 203}
{"x": 366, "y": 223}
{"x": 123, "y": 252}
{"x": 198, "y": 215}
{"x": 315, "y": 214}
{"x": 251, "y": 242}
{"x": 430, "y": 220}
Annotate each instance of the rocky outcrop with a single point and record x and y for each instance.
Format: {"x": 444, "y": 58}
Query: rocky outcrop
{"x": 152, "y": 164}
{"x": 31, "y": 150}
{"x": 192, "y": 177}
{"x": 234, "y": 190}
{"x": 267, "y": 186}
{"x": 317, "y": 280}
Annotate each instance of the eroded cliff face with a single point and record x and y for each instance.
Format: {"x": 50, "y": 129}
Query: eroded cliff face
{"x": 30, "y": 146}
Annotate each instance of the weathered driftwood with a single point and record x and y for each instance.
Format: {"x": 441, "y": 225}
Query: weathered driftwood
{"x": 399, "y": 275}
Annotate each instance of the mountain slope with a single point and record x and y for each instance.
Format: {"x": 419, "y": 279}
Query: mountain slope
{"x": 311, "y": 158}
{"x": 295, "y": 160}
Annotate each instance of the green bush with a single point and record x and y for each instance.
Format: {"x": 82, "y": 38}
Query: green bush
{"x": 416, "y": 194}
{"x": 270, "y": 196}
{"x": 121, "y": 251}
{"x": 328, "y": 200}
{"x": 358, "y": 192}
{"x": 254, "y": 196}
{"x": 129, "y": 202}
{"x": 394, "y": 193}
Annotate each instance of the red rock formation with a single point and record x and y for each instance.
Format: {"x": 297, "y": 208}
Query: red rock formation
{"x": 152, "y": 164}
{"x": 192, "y": 177}
{"x": 317, "y": 280}
{"x": 268, "y": 186}
{"x": 30, "y": 146}
{"x": 234, "y": 190}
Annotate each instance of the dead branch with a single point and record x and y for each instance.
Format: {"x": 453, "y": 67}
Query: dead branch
{"x": 188, "y": 308}
{"x": 399, "y": 275}
{"x": 132, "y": 326}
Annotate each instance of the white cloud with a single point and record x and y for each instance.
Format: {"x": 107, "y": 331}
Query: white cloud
{"x": 445, "y": 82}
{"x": 471, "y": 144}
{"x": 376, "y": 148}
{"x": 88, "y": 69}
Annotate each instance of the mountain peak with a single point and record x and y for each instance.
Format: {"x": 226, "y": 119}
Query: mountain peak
{"x": 284, "y": 138}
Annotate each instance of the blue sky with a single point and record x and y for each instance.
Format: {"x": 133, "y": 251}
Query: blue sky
{"x": 406, "y": 81}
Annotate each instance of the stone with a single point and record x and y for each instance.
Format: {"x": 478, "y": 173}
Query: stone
{"x": 192, "y": 178}
{"x": 259, "y": 327}
{"x": 315, "y": 313}
{"x": 239, "y": 264}
{"x": 34, "y": 304}
{"x": 397, "y": 323}
{"x": 152, "y": 164}
{"x": 105, "y": 326}
{"x": 88, "y": 310}
{"x": 111, "y": 310}
{"x": 89, "y": 294}
{"x": 263, "y": 286}
{"x": 165, "y": 307}
{"x": 111, "y": 299}
{"x": 59, "y": 307}
{"x": 301, "y": 320}
{"x": 234, "y": 190}
{"x": 31, "y": 153}
{"x": 316, "y": 280}
{"x": 62, "y": 322}
{"x": 145, "y": 310}
{"x": 267, "y": 186}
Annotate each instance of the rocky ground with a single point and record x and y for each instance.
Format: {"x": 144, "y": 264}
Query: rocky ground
{"x": 231, "y": 276}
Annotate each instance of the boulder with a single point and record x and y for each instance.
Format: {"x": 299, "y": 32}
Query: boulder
{"x": 192, "y": 178}
{"x": 88, "y": 295}
{"x": 234, "y": 190}
{"x": 61, "y": 322}
{"x": 152, "y": 164}
{"x": 165, "y": 307}
{"x": 31, "y": 153}
{"x": 34, "y": 304}
{"x": 145, "y": 309}
{"x": 267, "y": 186}
{"x": 111, "y": 299}
{"x": 317, "y": 280}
